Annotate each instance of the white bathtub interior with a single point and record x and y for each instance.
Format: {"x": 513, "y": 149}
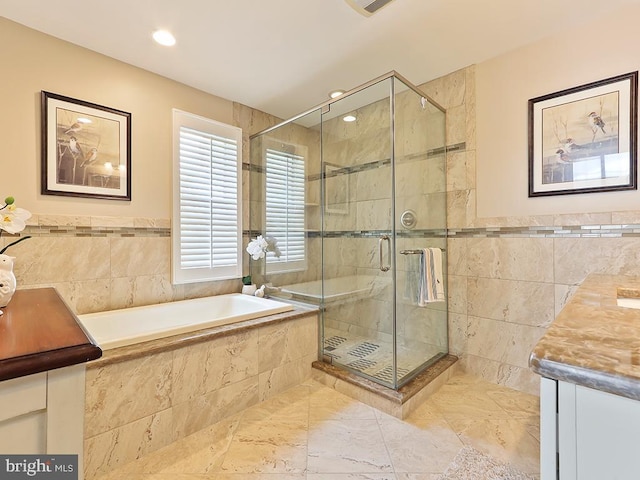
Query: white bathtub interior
{"x": 118, "y": 328}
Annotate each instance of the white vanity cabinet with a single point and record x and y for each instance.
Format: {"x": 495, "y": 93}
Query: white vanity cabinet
{"x": 587, "y": 434}
{"x": 43, "y": 413}
{"x": 43, "y": 351}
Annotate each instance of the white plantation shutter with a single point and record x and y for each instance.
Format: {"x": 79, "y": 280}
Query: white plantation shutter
{"x": 207, "y": 232}
{"x": 285, "y": 218}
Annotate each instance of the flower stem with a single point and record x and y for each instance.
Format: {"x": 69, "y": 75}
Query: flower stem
{"x": 13, "y": 243}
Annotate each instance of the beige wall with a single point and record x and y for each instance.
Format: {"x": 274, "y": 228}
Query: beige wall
{"x": 507, "y": 279}
{"x": 100, "y": 254}
{"x": 606, "y": 48}
{"x": 33, "y": 62}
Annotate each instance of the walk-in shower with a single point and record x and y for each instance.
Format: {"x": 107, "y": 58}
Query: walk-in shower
{"x": 350, "y": 194}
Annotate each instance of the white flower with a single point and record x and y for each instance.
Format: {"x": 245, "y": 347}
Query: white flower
{"x": 257, "y": 248}
{"x": 13, "y": 219}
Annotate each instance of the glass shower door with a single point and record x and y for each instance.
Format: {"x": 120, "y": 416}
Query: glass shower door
{"x": 358, "y": 233}
{"x": 421, "y": 230}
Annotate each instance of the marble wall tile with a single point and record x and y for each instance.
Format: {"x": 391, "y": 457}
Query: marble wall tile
{"x": 64, "y": 220}
{"x": 457, "y": 294}
{"x": 143, "y": 290}
{"x": 457, "y": 258}
{"x": 341, "y": 251}
{"x": 109, "y": 450}
{"x": 470, "y": 106}
{"x": 85, "y": 297}
{"x": 458, "y": 333}
{"x": 526, "y": 303}
{"x": 456, "y": 171}
{"x": 511, "y": 258}
{"x": 206, "y": 289}
{"x": 582, "y": 219}
{"x": 420, "y": 177}
{"x": 208, "y": 366}
{"x": 575, "y": 258}
{"x": 281, "y": 378}
{"x": 205, "y": 410}
{"x": 143, "y": 222}
{"x": 502, "y": 342}
{"x": 456, "y": 125}
{"x": 427, "y": 326}
{"x": 373, "y": 184}
{"x": 521, "y": 221}
{"x": 140, "y": 256}
{"x": 472, "y": 211}
{"x": 516, "y": 377}
{"x": 430, "y": 210}
{"x": 61, "y": 259}
{"x": 471, "y": 169}
{"x": 287, "y": 342}
{"x": 112, "y": 222}
{"x": 121, "y": 393}
{"x": 632, "y": 217}
{"x": 374, "y": 214}
{"x": 457, "y": 208}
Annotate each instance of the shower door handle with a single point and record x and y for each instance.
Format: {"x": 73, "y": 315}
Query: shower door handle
{"x": 384, "y": 268}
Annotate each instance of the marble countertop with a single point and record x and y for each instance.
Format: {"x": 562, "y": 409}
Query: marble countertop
{"x": 593, "y": 342}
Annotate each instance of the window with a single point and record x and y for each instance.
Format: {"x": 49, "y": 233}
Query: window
{"x": 206, "y": 225}
{"x": 285, "y": 199}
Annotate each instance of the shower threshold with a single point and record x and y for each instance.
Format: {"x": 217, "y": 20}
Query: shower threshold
{"x": 399, "y": 403}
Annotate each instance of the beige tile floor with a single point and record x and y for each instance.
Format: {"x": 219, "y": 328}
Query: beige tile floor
{"x": 315, "y": 433}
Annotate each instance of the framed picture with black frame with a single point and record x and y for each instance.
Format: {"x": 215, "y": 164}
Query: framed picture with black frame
{"x": 86, "y": 149}
{"x": 584, "y": 139}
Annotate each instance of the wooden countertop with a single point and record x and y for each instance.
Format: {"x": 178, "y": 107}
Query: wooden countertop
{"x": 593, "y": 342}
{"x": 38, "y": 332}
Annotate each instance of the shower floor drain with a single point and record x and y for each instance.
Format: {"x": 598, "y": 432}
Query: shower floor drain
{"x": 364, "y": 349}
{"x": 387, "y": 373}
{"x": 362, "y": 364}
{"x": 334, "y": 342}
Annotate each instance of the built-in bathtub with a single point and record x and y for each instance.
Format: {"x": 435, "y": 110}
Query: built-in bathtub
{"x": 172, "y": 369}
{"x": 127, "y": 326}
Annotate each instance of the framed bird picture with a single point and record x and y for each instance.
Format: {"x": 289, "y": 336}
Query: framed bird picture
{"x": 86, "y": 149}
{"x": 584, "y": 139}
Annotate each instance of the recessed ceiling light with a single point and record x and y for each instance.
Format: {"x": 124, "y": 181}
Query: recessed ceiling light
{"x": 336, "y": 93}
{"x": 163, "y": 37}
{"x": 349, "y": 118}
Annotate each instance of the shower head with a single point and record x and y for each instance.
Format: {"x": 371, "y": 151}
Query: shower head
{"x": 367, "y": 7}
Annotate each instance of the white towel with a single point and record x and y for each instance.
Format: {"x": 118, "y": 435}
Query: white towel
{"x": 431, "y": 281}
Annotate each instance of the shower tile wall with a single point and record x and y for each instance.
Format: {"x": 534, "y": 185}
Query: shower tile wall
{"x": 363, "y": 148}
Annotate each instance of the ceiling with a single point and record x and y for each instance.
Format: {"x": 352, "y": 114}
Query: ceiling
{"x": 284, "y": 56}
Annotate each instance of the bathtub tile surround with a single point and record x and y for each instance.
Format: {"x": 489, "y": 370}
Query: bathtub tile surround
{"x": 313, "y": 432}
{"x": 138, "y": 403}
